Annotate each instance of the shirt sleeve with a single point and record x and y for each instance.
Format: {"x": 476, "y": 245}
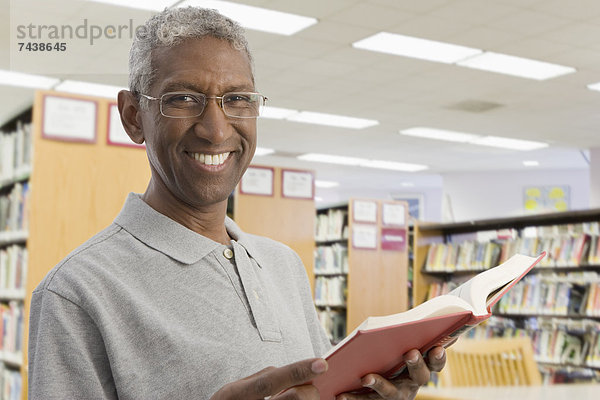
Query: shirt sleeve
{"x": 67, "y": 357}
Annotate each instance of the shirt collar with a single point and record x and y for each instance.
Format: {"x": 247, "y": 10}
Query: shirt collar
{"x": 245, "y": 240}
{"x": 170, "y": 237}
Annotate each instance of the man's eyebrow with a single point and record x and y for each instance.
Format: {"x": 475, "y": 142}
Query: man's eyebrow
{"x": 190, "y": 87}
{"x": 180, "y": 86}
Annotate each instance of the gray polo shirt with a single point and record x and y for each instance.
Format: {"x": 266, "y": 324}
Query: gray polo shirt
{"x": 148, "y": 309}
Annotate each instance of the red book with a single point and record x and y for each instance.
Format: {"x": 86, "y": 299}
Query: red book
{"x": 378, "y": 344}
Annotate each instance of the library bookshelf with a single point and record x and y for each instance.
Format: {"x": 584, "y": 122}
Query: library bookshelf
{"x": 361, "y": 263}
{"x": 15, "y": 170}
{"x": 77, "y": 189}
{"x": 557, "y": 304}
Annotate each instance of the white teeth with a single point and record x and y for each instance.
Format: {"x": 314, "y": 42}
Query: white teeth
{"x": 210, "y": 159}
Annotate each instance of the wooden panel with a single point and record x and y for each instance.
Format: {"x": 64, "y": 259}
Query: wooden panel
{"x": 287, "y": 220}
{"x": 421, "y": 282}
{"x": 377, "y": 279}
{"x": 77, "y": 189}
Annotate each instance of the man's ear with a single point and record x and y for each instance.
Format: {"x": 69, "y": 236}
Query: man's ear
{"x": 129, "y": 109}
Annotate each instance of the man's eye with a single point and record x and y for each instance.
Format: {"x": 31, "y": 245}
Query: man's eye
{"x": 238, "y": 98}
{"x": 182, "y": 100}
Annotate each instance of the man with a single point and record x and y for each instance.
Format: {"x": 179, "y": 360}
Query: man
{"x": 173, "y": 300}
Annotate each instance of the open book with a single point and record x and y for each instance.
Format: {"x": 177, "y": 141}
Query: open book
{"x": 378, "y": 344}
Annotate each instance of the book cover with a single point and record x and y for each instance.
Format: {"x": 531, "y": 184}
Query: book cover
{"x": 379, "y": 343}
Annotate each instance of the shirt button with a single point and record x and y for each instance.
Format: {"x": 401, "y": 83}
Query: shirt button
{"x": 228, "y": 253}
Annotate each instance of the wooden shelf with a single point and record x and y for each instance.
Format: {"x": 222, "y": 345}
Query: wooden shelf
{"x": 377, "y": 278}
{"x": 593, "y": 268}
{"x": 12, "y": 294}
{"x": 568, "y": 217}
{"x": 13, "y": 237}
{"x": 568, "y": 365}
{"x": 14, "y": 360}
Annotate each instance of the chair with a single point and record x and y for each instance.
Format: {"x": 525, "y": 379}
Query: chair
{"x": 491, "y": 362}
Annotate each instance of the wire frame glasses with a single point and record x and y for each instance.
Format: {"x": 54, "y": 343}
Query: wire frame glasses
{"x": 189, "y": 104}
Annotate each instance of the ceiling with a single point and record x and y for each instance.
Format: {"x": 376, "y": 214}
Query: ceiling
{"x": 317, "y": 69}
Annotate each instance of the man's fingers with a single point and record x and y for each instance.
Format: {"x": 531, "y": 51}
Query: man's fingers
{"x": 271, "y": 381}
{"x": 436, "y": 359}
{"x": 417, "y": 369}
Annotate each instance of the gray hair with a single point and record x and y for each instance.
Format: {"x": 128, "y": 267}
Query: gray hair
{"x": 170, "y": 28}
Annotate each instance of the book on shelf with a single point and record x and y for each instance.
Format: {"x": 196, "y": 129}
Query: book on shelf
{"x": 576, "y": 293}
{"x": 331, "y": 225}
{"x": 555, "y": 340}
{"x": 11, "y": 327}
{"x": 13, "y": 268}
{"x": 334, "y": 322}
{"x": 379, "y": 343}
{"x": 331, "y": 259}
{"x": 13, "y": 208}
{"x": 11, "y": 384}
{"x": 330, "y": 291}
{"x": 15, "y": 152}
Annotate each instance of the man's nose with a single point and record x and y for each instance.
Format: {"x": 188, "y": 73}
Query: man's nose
{"x": 213, "y": 125}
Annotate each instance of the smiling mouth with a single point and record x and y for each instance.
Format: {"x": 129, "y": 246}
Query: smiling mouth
{"x": 210, "y": 159}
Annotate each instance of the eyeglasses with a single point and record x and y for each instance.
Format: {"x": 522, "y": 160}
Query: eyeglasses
{"x": 188, "y": 105}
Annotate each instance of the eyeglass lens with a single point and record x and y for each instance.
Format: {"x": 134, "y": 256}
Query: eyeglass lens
{"x": 240, "y": 104}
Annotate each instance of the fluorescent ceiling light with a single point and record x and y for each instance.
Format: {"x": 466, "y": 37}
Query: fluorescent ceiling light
{"x": 393, "y": 165}
{"x": 151, "y": 5}
{"x": 531, "y": 163}
{"x": 263, "y": 151}
{"x": 361, "y": 162}
{"x": 88, "y": 88}
{"x": 255, "y": 18}
{"x": 594, "y": 86}
{"x": 310, "y": 117}
{"x": 470, "y": 138}
{"x": 407, "y": 184}
{"x": 341, "y": 121}
{"x": 326, "y": 184}
{"x": 449, "y": 53}
{"x": 317, "y": 198}
{"x": 276, "y": 112}
{"x": 408, "y": 46}
{"x": 516, "y": 66}
{"x": 20, "y": 79}
{"x": 439, "y": 134}
{"x": 330, "y": 159}
{"x": 508, "y": 143}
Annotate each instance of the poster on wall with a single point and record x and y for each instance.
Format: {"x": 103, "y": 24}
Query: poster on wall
{"x": 550, "y": 198}
{"x": 393, "y": 214}
{"x": 393, "y": 239}
{"x": 69, "y": 119}
{"x": 415, "y": 206}
{"x": 257, "y": 181}
{"x": 364, "y": 211}
{"x": 364, "y": 236}
{"x": 116, "y": 133}
{"x": 297, "y": 184}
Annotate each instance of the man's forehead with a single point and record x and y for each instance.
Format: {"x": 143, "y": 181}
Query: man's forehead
{"x": 189, "y": 63}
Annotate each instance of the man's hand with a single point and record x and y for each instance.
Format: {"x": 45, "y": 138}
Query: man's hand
{"x": 287, "y": 382}
{"x": 403, "y": 388}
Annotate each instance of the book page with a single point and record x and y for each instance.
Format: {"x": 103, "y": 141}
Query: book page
{"x": 441, "y": 305}
{"x": 438, "y": 306}
{"x": 477, "y": 290}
